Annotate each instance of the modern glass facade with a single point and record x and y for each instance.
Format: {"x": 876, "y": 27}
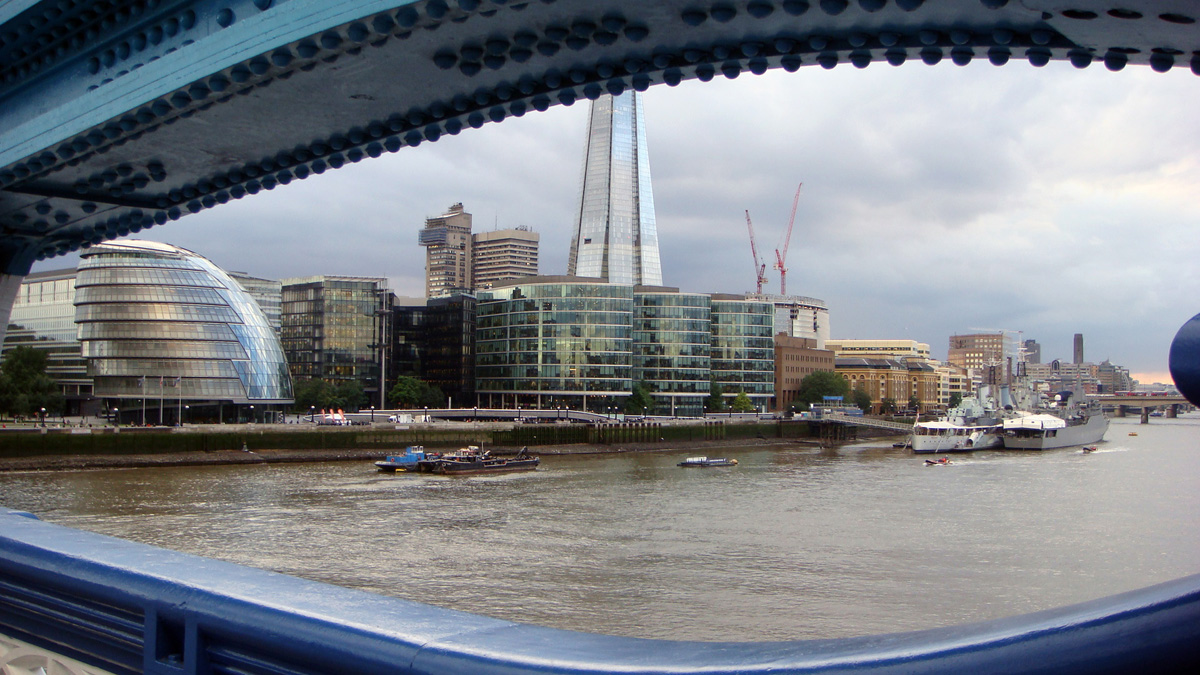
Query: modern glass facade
{"x": 554, "y": 341}
{"x": 449, "y": 359}
{"x": 333, "y": 329}
{"x": 616, "y": 238}
{"x": 43, "y": 317}
{"x": 671, "y": 349}
{"x": 158, "y": 322}
{"x": 743, "y": 348}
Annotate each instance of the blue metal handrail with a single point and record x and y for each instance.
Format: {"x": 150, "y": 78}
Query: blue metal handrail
{"x": 132, "y": 608}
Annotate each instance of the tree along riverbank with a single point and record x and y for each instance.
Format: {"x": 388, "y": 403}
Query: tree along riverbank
{"x": 71, "y": 448}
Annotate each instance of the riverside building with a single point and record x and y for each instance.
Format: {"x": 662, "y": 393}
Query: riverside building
{"x": 164, "y": 330}
{"x": 334, "y": 328}
{"x": 581, "y": 343}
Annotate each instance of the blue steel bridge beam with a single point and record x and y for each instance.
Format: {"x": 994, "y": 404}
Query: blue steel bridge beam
{"x": 120, "y": 115}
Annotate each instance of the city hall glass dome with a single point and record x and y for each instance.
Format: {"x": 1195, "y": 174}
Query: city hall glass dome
{"x": 160, "y": 322}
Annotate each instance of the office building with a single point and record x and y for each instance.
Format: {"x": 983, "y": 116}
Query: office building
{"x": 977, "y": 350}
{"x": 1078, "y": 355}
{"x": 795, "y": 359}
{"x": 268, "y": 293}
{"x": 457, "y": 260}
{"x": 1033, "y": 351}
{"x": 447, "y": 242}
{"x": 43, "y": 317}
{"x": 334, "y": 328}
{"x": 615, "y": 237}
{"x": 160, "y": 325}
{"x": 888, "y": 349}
{"x": 672, "y": 341}
{"x": 550, "y": 341}
{"x": 448, "y": 353}
{"x": 503, "y": 255}
{"x": 743, "y": 348}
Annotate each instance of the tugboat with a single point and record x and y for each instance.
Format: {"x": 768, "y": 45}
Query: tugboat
{"x": 406, "y": 462}
{"x": 708, "y": 461}
{"x": 472, "y": 460}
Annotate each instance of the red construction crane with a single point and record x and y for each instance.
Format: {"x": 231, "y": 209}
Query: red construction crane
{"x": 787, "y": 239}
{"x": 760, "y": 269}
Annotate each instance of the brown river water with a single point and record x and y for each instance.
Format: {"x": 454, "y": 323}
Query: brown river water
{"x": 795, "y": 542}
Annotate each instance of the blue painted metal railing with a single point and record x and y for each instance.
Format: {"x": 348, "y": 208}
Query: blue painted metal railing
{"x": 130, "y": 608}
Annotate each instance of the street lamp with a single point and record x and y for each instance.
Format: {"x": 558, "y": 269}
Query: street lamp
{"x": 476, "y": 409}
{"x": 372, "y": 414}
{"x": 426, "y": 413}
{"x": 43, "y": 417}
{"x": 116, "y": 417}
{"x": 312, "y": 413}
{"x": 252, "y": 414}
{"x": 186, "y": 409}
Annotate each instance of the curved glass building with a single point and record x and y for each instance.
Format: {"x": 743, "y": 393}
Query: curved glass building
{"x": 671, "y": 347}
{"x": 166, "y": 326}
{"x": 548, "y": 341}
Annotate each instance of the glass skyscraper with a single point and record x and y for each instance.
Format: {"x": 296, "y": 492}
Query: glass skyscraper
{"x": 616, "y": 238}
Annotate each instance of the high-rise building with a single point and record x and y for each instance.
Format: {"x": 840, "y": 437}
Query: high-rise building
{"x": 502, "y": 255}
{"x": 977, "y": 350}
{"x": 447, "y": 242}
{"x": 457, "y": 261}
{"x": 1033, "y": 351}
{"x": 1078, "y": 349}
{"x": 616, "y": 238}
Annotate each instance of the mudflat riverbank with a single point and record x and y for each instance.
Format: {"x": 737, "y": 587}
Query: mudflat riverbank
{"x": 199, "y": 458}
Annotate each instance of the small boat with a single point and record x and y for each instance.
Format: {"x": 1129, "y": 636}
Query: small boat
{"x": 708, "y": 461}
{"x": 1133, "y": 433}
{"x": 945, "y": 461}
{"x": 406, "y": 462}
{"x": 1088, "y": 448}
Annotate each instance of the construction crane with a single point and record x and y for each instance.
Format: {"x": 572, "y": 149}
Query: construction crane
{"x": 760, "y": 269}
{"x": 787, "y": 239}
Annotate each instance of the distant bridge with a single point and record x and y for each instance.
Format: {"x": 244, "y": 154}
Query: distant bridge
{"x": 120, "y": 115}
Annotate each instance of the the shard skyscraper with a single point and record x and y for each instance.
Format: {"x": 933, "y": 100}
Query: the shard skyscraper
{"x": 615, "y": 235}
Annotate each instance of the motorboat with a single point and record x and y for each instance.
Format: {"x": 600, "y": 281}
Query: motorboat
{"x": 938, "y": 462}
{"x": 708, "y": 461}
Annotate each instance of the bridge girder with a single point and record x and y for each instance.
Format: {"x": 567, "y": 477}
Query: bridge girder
{"x": 120, "y": 115}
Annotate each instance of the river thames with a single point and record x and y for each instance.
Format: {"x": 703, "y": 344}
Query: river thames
{"x": 795, "y": 542}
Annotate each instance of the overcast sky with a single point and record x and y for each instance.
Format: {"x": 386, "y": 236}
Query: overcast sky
{"x": 936, "y": 200}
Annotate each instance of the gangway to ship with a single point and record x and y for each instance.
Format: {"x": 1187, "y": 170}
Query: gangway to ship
{"x": 858, "y": 420}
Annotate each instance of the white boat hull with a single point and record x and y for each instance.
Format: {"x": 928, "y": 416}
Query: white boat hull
{"x": 955, "y": 440}
{"x": 1064, "y": 437}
